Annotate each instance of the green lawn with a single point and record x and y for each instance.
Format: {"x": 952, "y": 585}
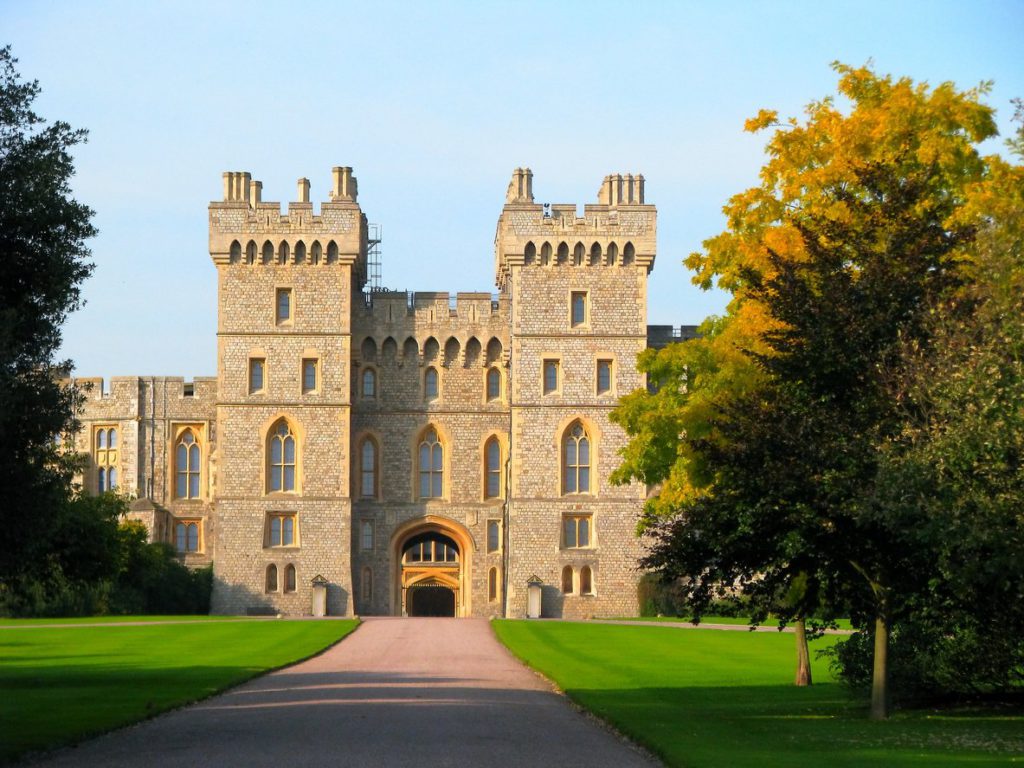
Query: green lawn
{"x": 111, "y": 620}
{"x": 718, "y": 698}
{"x": 62, "y": 685}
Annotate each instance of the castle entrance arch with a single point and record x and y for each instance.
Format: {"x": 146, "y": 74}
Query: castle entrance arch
{"x": 432, "y": 558}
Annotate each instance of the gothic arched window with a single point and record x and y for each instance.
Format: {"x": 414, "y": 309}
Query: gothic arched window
{"x": 187, "y": 466}
{"x": 576, "y": 466}
{"x": 281, "y": 458}
{"x": 431, "y": 465}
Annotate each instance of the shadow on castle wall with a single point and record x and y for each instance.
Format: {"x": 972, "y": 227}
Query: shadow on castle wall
{"x": 240, "y": 600}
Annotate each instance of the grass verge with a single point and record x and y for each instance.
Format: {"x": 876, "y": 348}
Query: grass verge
{"x": 111, "y": 620}
{"x": 707, "y": 698}
{"x": 63, "y": 685}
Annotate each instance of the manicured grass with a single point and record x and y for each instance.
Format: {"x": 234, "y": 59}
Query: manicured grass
{"x": 715, "y": 698}
{"x": 111, "y": 620}
{"x": 769, "y": 622}
{"x": 62, "y": 685}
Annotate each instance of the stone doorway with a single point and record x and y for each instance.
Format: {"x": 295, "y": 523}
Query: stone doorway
{"x": 431, "y": 568}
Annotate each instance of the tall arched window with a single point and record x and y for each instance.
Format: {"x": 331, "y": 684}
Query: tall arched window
{"x": 492, "y": 585}
{"x": 430, "y": 384}
{"x": 366, "y": 586}
{"x": 431, "y": 465}
{"x": 493, "y": 385}
{"x": 368, "y": 468}
{"x": 576, "y": 469}
{"x": 586, "y": 581}
{"x": 289, "y": 578}
{"x": 492, "y": 469}
{"x": 281, "y": 463}
{"x": 187, "y": 466}
{"x": 106, "y": 458}
{"x": 567, "y": 580}
{"x": 271, "y": 578}
{"x": 369, "y": 383}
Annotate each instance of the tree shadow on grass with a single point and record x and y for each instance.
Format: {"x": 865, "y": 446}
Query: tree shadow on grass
{"x": 786, "y": 725}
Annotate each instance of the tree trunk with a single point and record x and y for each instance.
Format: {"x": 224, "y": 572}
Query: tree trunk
{"x": 880, "y": 673}
{"x": 803, "y": 655}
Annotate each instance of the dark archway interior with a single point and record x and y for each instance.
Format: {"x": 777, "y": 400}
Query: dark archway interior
{"x": 430, "y": 601}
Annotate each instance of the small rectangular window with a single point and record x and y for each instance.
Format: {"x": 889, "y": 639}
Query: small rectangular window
{"x": 309, "y": 375}
{"x": 493, "y": 535}
{"x": 186, "y": 535}
{"x": 550, "y": 376}
{"x": 281, "y": 530}
{"x": 604, "y": 377}
{"x": 284, "y": 305}
{"x": 257, "y": 371}
{"x": 366, "y": 536}
{"x": 576, "y": 531}
{"x": 578, "y": 309}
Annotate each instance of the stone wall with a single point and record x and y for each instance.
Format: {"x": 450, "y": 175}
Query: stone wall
{"x": 543, "y": 255}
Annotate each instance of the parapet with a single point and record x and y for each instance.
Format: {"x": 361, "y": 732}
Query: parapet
{"x": 620, "y": 230}
{"x": 245, "y": 229}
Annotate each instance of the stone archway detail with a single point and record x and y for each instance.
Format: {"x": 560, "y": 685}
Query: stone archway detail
{"x": 459, "y": 582}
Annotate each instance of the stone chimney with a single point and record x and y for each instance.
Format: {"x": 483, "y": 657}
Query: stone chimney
{"x": 520, "y": 189}
{"x": 344, "y": 186}
{"x": 617, "y": 189}
{"x": 303, "y": 190}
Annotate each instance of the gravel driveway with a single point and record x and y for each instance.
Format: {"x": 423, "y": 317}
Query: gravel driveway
{"x": 397, "y": 692}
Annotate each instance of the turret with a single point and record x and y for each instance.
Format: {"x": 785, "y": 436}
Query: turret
{"x": 619, "y": 231}
{"x": 247, "y": 231}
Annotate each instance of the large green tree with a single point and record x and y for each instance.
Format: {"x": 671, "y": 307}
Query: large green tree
{"x": 43, "y": 261}
{"x": 834, "y": 262}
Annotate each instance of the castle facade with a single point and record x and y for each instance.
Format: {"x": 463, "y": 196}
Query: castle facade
{"x": 420, "y": 453}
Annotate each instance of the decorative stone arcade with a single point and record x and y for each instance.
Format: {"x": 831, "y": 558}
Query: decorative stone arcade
{"x": 432, "y": 560}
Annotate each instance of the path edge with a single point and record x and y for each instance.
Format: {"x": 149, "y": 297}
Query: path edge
{"x": 27, "y": 759}
{"x": 606, "y": 725}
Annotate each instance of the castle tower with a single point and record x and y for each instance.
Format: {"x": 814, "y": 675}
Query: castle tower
{"x": 578, "y": 291}
{"x": 284, "y": 295}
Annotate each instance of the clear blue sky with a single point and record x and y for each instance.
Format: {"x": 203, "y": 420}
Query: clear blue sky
{"x": 434, "y": 104}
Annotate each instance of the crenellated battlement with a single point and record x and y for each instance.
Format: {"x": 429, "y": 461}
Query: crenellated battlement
{"x": 123, "y": 388}
{"x": 406, "y": 322}
{"x": 245, "y": 229}
{"x": 618, "y": 231}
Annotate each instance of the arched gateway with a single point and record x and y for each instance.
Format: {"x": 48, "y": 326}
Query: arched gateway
{"x": 432, "y": 562}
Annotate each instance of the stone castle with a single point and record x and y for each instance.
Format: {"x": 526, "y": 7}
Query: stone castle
{"x": 421, "y": 454}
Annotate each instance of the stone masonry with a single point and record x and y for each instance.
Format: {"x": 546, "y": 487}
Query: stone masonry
{"x": 421, "y": 453}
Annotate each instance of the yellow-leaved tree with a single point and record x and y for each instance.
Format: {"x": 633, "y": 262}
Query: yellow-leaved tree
{"x": 858, "y": 226}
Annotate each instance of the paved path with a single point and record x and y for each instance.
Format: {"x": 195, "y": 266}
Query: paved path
{"x": 395, "y": 693}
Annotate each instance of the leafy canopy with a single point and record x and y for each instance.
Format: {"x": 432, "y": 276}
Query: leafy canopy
{"x": 43, "y": 261}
